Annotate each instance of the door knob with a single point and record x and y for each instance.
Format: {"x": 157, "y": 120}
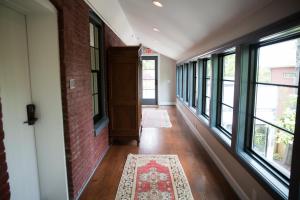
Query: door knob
{"x": 31, "y": 119}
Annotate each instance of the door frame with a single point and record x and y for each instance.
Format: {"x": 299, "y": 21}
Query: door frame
{"x": 151, "y": 101}
{"x": 43, "y": 43}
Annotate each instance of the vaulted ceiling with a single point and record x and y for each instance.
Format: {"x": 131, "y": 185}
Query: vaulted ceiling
{"x": 184, "y": 25}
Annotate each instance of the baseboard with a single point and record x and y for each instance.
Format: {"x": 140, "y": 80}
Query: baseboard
{"x": 92, "y": 174}
{"x": 234, "y": 184}
{"x": 167, "y": 103}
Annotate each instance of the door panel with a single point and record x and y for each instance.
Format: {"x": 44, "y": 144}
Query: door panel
{"x": 15, "y": 94}
{"x": 149, "y": 82}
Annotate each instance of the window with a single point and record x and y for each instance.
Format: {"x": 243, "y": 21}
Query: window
{"x": 195, "y": 85}
{"x": 97, "y": 73}
{"x": 274, "y": 104}
{"x": 206, "y": 88}
{"x": 225, "y": 100}
{"x": 177, "y": 81}
{"x": 187, "y": 83}
{"x": 182, "y": 80}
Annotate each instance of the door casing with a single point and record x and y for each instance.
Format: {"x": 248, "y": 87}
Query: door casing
{"x": 152, "y": 101}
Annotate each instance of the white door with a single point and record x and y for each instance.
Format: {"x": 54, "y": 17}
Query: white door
{"x": 15, "y": 94}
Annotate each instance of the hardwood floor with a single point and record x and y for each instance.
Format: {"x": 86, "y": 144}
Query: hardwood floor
{"x": 206, "y": 182}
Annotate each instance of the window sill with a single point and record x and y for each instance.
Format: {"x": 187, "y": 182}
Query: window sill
{"x": 222, "y": 136}
{"x": 100, "y": 125}
{"x": 265, "y": 175}
{"x": 254, "y": 167}
{"x": 193, "y": 110}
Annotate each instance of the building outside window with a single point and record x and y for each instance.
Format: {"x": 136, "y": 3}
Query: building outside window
{"x": 275, "y": 103}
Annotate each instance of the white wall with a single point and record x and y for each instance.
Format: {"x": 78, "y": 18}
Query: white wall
{"x": 166, "y": 77}
{"x": 167, "y": 81}
{"x": 44, "y": 64}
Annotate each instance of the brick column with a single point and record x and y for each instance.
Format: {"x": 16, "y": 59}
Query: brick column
{"x": 4, "y": 186}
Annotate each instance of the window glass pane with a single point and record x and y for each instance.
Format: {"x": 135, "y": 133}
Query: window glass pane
{"x": 149, "y": 84}
{"x": 278, "y": 63}
{"x": 148, "y": 94}
{"x": 149, "y": 74}
{"x": 226, "y": 118}
{"x": 207, "y": 105}
{"x": 196, "y": 85}
{"x": 96, "y": 32}
{"x": 208, "y": 91}
{"x": 148, "y": 64}
{"x": 228, "y": 92}
{"x": 97, "y": 64}
{"x": 277, "y": 105}
{"x": 92, "y": 42}
{"x": 96, "y": 105}
{"x": 208, "y": 68}
{"x": 93, "y": 62}
{"x": 93, "y": 104}
{"x": 229, "y": 67}
{"x": 95, "y": 78}
{"x": 92, "y": 83}
{"x": 273, "y": 145}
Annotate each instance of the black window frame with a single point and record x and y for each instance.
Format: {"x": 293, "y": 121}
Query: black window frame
{"x": 237, "y": 148}
{"x": 101, "y": 119}
{"x": 187, "y": 83}
{"x": 251, "y": 106}
{"x": 182, "y": 81}
{"x": 195, "y": 83}
{"x": 220, "y": 93}
{"x": 204, "y": 83}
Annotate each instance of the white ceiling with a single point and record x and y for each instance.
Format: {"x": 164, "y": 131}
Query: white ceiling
{"x": 183, "y": 23}
{"x": 188, "y": 27}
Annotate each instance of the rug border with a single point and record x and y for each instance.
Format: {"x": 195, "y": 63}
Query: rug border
{"x": 130, "y": 155}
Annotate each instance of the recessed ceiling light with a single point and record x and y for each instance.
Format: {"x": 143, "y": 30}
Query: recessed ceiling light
{"x": 157, "y": 3}
{"x": 156, "y": 29}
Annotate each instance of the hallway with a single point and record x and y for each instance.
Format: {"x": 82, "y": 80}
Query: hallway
{"x": 205, "y": 180}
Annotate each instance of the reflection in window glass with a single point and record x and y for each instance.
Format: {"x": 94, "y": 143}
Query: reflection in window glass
{"x": 207, "y": 85}
{"x": 195, "y": 85}
{"x": 95, "y": 72}
{"x": 276, "y": 103}
{"x": 148, "y": 82}
{"x": 226, "y": 101}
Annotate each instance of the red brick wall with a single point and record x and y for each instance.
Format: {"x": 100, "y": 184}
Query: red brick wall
{"x": 83, "y": 149}
{"x": 4, "y": 186}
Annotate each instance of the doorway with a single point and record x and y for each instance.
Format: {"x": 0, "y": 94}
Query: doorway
{"x": 149, "y": 83}
{"x": 35, "y": 153}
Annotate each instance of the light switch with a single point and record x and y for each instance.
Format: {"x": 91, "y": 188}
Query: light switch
{"x": 72, "y": 83}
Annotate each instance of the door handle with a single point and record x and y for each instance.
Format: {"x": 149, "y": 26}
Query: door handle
{"x": 31, "y": 119}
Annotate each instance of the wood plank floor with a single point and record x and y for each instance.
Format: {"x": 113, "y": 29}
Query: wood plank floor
{"x": 206, "y": 182}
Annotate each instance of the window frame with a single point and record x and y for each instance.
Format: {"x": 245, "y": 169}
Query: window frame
{"x": 100, "y": 120}
{"x": 204, "y": 83}
{"x": 187, "y": 85}
{"x": 220, "y": 93}
{"x": 195, "y": 76}
{"x": 251, "y": 106}
{"x": 182, "y": 82}
{"x": 264, "y": 177}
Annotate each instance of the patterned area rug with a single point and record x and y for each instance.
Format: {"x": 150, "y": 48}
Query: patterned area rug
{"x": 153, "y": 118}
{"x": 153, "y": 177}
